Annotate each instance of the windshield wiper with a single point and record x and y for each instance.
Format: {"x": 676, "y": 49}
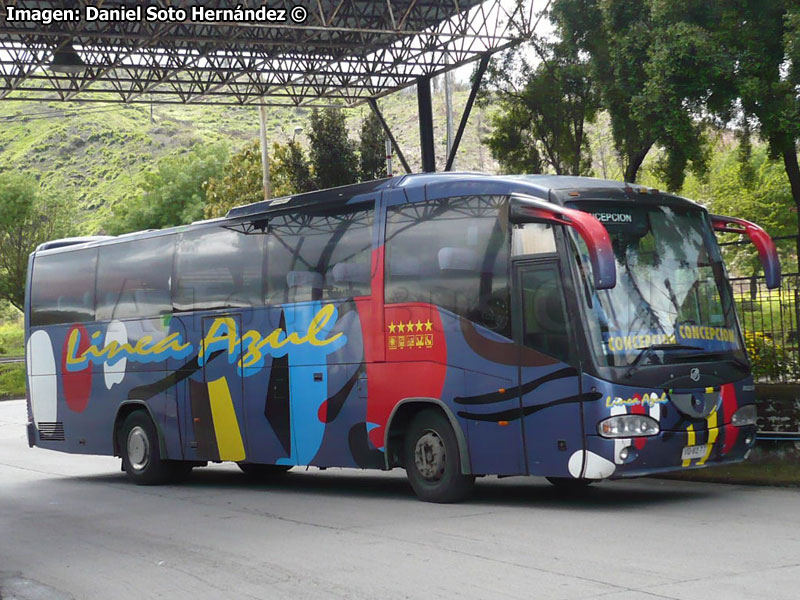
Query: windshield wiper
{"x": 646, "y": 352}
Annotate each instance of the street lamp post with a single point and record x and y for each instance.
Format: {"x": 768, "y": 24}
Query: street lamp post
{"x": 262, "y": 113}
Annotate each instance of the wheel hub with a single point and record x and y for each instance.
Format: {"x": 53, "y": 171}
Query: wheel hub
{"x": 138, "y": 448}
{"x": 429, "y": 456}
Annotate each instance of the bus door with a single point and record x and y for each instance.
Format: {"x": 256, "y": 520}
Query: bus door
{"x": 549, "y": 382}
{"x": 215, "y": 431}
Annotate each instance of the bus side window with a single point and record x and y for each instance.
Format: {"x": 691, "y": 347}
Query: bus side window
{"x": 319, "y": 254}
{"x": 452, "y": 253}
{"x": 133, "y": 278}
{"x": 532, "y": 238}
{"x": 62, "y": 287}
{"x": 219, "y": 267}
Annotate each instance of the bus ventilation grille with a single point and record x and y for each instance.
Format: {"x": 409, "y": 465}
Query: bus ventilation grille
{"x": 51, "y": 432}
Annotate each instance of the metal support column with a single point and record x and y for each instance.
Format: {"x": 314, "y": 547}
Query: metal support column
{"x": 426, "y": 124}
{"x": 467, "y": 110}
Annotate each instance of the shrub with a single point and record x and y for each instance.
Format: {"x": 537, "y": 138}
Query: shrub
{"x": 12, "y": 381}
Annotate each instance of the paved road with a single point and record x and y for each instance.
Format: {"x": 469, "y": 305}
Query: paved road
{"x": 71, "y": 526}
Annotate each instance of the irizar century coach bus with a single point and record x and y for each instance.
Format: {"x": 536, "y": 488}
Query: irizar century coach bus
{"x": 455, "y": 325}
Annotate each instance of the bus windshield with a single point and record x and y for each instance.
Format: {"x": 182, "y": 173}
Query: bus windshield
{"x": 671, "y": 302}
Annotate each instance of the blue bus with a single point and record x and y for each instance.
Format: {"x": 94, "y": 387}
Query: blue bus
{"x": 454, "y": 325}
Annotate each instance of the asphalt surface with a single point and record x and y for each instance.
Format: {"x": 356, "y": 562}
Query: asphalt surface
{"x": 72, "y": 527}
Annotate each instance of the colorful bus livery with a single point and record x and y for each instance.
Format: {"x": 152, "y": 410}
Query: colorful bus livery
{"x": 249, "y": 350}
{"x": 456, "y": 325}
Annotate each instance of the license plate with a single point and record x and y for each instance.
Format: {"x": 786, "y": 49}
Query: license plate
{"x": 691, "y": 452}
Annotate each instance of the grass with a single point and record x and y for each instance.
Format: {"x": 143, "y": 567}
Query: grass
{"x": 12, "y": 381}
{"x": 770, "y": 464}
{"x": 12, "y": 344}
{"x": 11, "y": 339}
{"x": 97, "y": 154}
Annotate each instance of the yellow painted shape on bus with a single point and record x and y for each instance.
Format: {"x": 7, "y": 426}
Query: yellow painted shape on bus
{"x": 713, "y": 432}
{"x": 226, "y": 426}
{"x": 689, "y": 442}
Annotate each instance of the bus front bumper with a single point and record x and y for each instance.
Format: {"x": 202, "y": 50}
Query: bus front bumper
{"x": 675, "y": 450}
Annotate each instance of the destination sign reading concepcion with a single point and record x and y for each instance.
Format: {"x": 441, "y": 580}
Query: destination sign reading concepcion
{"x": 160, "y": 14}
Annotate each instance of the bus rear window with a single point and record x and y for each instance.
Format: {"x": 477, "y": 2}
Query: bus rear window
{"x": 62, "y": 288}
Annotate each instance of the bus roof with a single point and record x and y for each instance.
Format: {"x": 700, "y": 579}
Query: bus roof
{"x": 73, "y": 241}
{"x": 417, "y": 187}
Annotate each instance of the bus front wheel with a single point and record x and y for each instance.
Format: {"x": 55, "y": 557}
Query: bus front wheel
{"x": 141, "y": 455}
{"x": 432, "y": 459}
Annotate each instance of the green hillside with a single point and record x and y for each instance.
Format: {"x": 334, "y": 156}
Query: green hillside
{"x": 96, "y": 153}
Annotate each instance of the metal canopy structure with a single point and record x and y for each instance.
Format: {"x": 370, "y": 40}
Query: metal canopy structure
{"x": 345, "y": 51}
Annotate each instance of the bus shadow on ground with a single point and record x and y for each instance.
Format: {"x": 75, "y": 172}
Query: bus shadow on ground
{"x": 512, "y": 491}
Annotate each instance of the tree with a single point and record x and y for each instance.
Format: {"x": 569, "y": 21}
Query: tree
{"x": 172, "y": 194}
{"x": 543, "y": 113}
{"x": 618, "y": 38}
{"x": 511, "y": 142}
{"x": 738, "y": 61}
{"x": 290, "y": 169}
{"x": 241, "y": 181}
{"x": 28, "y": 217}
{"x": 372, "y": 148}
{"x": 756, "y": 190}
{"x": 333, "y": 155}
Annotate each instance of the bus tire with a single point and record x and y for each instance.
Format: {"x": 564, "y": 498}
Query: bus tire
{"x": 141, "y": 454}
{"x": 263, "y": 472}
{"x": 432, "y": 459}
{"x": 570, "y": 483}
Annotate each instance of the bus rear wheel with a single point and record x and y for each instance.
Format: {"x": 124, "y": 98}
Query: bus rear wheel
{"x": 141, "y": 455}
{"x": 432, "y": 459}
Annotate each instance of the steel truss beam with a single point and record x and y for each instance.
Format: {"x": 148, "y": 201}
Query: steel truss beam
{"x": 373, "y": 104}
{"x": 346, "y": 51}
{"x": 476, "y": 84}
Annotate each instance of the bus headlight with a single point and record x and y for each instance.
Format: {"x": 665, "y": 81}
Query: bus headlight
{"x": 745, "y": 416}
{"x": 625, "y": 426}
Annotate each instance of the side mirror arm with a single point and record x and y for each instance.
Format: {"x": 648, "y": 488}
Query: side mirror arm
{"x": 760, "y": 239}
{"x": 527, "y": 209}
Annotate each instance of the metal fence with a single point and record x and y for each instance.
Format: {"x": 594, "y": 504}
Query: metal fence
{"x": 769, "y": 318}
{"x": 769, "y": 321}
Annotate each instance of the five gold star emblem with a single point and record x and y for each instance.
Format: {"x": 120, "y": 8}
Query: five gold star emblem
{"x": 411, "y": 327}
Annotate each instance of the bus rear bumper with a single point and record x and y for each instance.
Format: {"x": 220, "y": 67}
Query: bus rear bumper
{"x": 31, "y": 435}
{"x": 671, "y": 451}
